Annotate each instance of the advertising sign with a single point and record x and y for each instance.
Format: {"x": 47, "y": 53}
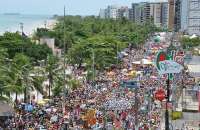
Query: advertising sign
{"x": 169, "y": 66}
{"x": 166, "y": 65}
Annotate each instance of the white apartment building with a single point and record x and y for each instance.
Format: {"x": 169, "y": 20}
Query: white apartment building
{"x": 157, "y": 14}
{"x": 102, "y": 13}
{"x": 190, "y": 16}
{"x": 194, "y": 17}
{"x": 113, "y": 12}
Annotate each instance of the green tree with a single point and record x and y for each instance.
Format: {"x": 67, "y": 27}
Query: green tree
{"x": 15, "y": 43}
{"x": 51, "y": 68}
{"x": 22, "y": 64}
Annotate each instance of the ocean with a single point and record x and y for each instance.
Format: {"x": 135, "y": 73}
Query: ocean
{"x": 11, "y": 22}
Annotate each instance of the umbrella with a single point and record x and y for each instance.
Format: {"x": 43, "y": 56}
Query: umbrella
{"x": 5, "y": 109}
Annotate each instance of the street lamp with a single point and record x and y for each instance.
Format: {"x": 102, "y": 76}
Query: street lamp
{"x": 64, "y": 64}
{"x": 22, "y": 28}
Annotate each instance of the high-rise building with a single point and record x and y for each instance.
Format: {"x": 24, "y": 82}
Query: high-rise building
{"x": 171, "y": 14}
{"x": 140, "y": 13}
{"x": 184, "y": 15}
{"x": 190, "y": 16}
{"x": 193, "y": 17}
{"x": 134, "y": 11}
{"x": 115, "y": 12}
{"x": 147, "y": 11}
{"x": 131, "y": 14}
{"x": 112, "y": 12}
{"x": 123, "y": 12}
{"x": 157, "y": 14}
{"x": 177, "y": 18}
{"x": 164, "y": 15}
{"x": 102, "y": 13}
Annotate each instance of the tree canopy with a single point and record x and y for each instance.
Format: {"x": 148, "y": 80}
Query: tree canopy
{"x": 104, "y": 37}
{"x": 15, "y": 43}
{"x": 190, "y": 42}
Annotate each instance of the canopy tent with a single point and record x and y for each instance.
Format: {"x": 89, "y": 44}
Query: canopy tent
{"x": 136, "y": 62}
{"x": 5, "y": 109}
{"x": 193, "y": 36}
{"x": 146, "y": 62}
{"x": 143, "y": 61}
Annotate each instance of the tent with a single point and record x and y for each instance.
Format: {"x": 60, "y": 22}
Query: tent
{"x": 5, "y": 109}
{"x": 136, "y": 62}
{"x": 143, "y": 61}
{"x": 193, "y": 36}
{"x": 146, "y": 62}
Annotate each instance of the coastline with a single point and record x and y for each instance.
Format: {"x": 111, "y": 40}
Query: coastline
{"x": 30, "y": 28}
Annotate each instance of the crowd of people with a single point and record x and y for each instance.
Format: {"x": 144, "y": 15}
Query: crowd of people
{"x": 100, "y": 104}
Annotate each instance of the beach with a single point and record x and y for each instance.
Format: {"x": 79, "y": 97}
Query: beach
{"x": 30, "y": 23}
{"x": 29, "y": 30}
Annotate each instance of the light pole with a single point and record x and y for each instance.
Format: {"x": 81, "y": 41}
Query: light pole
{"x": 117, "y": 53}
{"x": 64, "y": 93}
{"x": 168, "y": 92}
{"x": 45, "y": 24}
{"x": 22, "y": 28}
{"x": 93, "y": 65}
{"x": 167, "y": 112}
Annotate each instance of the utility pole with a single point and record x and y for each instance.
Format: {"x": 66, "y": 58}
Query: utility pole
{"x": 64, "y": 93}
{"x": 45, "y": 24}
{"x": 136, "y": 109}
{"x": 93, "y": 66}
{"x": 168, "y": 93}
{"x": 167, "y": 112}
{"x": 117, "y": 54}
{"x": 22, "y": 28}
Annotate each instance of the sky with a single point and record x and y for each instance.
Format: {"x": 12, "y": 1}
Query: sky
{"x": 51, "y": 7}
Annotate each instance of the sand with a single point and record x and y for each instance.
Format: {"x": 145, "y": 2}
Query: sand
{"x": 31, "y": 28}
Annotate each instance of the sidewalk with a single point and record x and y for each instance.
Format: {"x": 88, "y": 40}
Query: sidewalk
{"x": 189, "y": 120}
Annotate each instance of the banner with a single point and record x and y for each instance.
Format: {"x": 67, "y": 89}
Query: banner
{"x": 169, "y": 66}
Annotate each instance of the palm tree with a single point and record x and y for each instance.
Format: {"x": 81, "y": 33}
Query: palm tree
{"x": 12, "y": 81}
{"x": 15, "y": 76}
{"x": 51, "y": 68}
{"x": 2, "y": 73}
